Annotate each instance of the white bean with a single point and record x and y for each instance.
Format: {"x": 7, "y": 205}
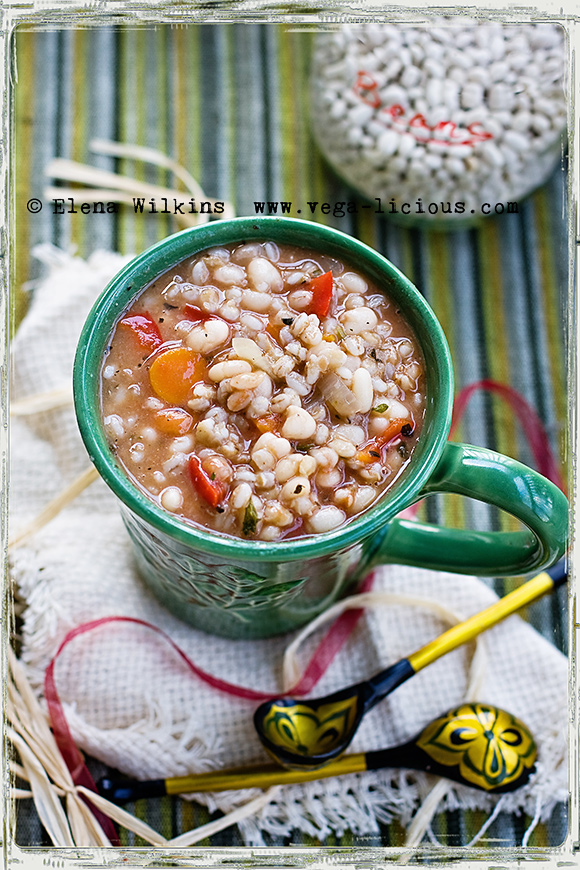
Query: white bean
{"x": 358, "y": 320}
{"x": 286, "y": 468}
{"x": 241, "y": 496}
{"x": 363, "y": 496}
{"x": 296, "y": 486}
{"x": 328, "y": 479}
{"x": 325, "y": 519}
{"x": 299, "y": 424}
{"x": 228, "y": 369}
{"x": 247, "y": 380}
{"x": 200, "y": 273}
{"x": 362, "y": 387}
{"x": 208, "y": 337}
{"x": 263, "y": 276}
{"x": 230, "y": 275}
{"x": 263, "y": 460}
{"x": 260, "y": 302}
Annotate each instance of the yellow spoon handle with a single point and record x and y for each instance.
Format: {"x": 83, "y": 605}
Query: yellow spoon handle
{"x": 261, "y": 777}
{"x": 466, "y": 631}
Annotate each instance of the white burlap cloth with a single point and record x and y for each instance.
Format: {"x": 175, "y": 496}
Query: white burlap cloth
{"x": 132, "y": 703}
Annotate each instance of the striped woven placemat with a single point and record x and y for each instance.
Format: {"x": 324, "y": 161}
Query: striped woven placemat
{"x": 230, "y": 103}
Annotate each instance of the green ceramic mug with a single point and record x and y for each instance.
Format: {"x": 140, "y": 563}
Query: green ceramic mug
{"x": 240, "y": 588}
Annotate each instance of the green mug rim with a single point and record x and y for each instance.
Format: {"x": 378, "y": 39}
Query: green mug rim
{"x": 169, "y": 252}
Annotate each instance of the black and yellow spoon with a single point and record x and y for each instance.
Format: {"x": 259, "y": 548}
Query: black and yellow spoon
{"x": 476, "y": 744}
{"x": 308, "y": 734}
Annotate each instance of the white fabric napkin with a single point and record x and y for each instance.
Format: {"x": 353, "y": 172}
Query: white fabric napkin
{"x": 132, "y": 703}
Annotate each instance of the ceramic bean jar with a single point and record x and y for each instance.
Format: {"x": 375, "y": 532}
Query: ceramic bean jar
{"x": 448, "y": 120}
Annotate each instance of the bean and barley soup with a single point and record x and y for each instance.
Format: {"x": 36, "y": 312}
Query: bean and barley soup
{"x": 263, "y": 391}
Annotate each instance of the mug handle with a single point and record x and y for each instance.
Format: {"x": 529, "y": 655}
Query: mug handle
{"x": 496, "y": 479}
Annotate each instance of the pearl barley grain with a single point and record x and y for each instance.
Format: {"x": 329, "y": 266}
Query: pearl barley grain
{"x": 171, "y": 498}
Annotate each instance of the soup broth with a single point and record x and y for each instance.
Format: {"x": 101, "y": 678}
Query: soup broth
{"x": 263, "y": 391}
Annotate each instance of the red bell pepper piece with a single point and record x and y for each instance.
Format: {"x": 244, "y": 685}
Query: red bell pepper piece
{"x": 321, "y": 289}
{"x": 145, "y": 329}
{"x": 196, "y": 315}
{"x": 212, "y": 491}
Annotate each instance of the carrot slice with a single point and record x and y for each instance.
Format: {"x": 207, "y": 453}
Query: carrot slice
{"x": 268, "y": 423}
{"x": 173, "y": 421}
{"x": 273, "y": 330}
{"x": 174, "y": 372}
{"x": 372, "y": 452}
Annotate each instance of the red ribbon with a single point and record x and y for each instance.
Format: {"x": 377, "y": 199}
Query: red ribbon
{"x": 532, "y": 425}
{"x": 320, "y": 661}
{"x": 72, "y": 757}
{"x": 331, "y": 643}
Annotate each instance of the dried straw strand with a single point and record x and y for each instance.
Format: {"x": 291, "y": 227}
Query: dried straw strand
{"x": 47, "y": 401}
{"x": 122, "y": 817}
{"x": 232, "y": 818}
{"x": 114, "y": 187}
{"x": 20, "y": 793}
{"x": 147, "y": 155}
{"x": 55, "y": 506}
{"x": 47, "y": 803}
{"x": 44, "y": 768}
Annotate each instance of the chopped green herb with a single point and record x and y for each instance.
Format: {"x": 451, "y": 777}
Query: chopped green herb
{"x": 380, "y": 409}
{"x": 250, "y": 519}
{"x": 304, "y": 448}
{"x": 212, "y": 475}
{"x": 340, "y": 333}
